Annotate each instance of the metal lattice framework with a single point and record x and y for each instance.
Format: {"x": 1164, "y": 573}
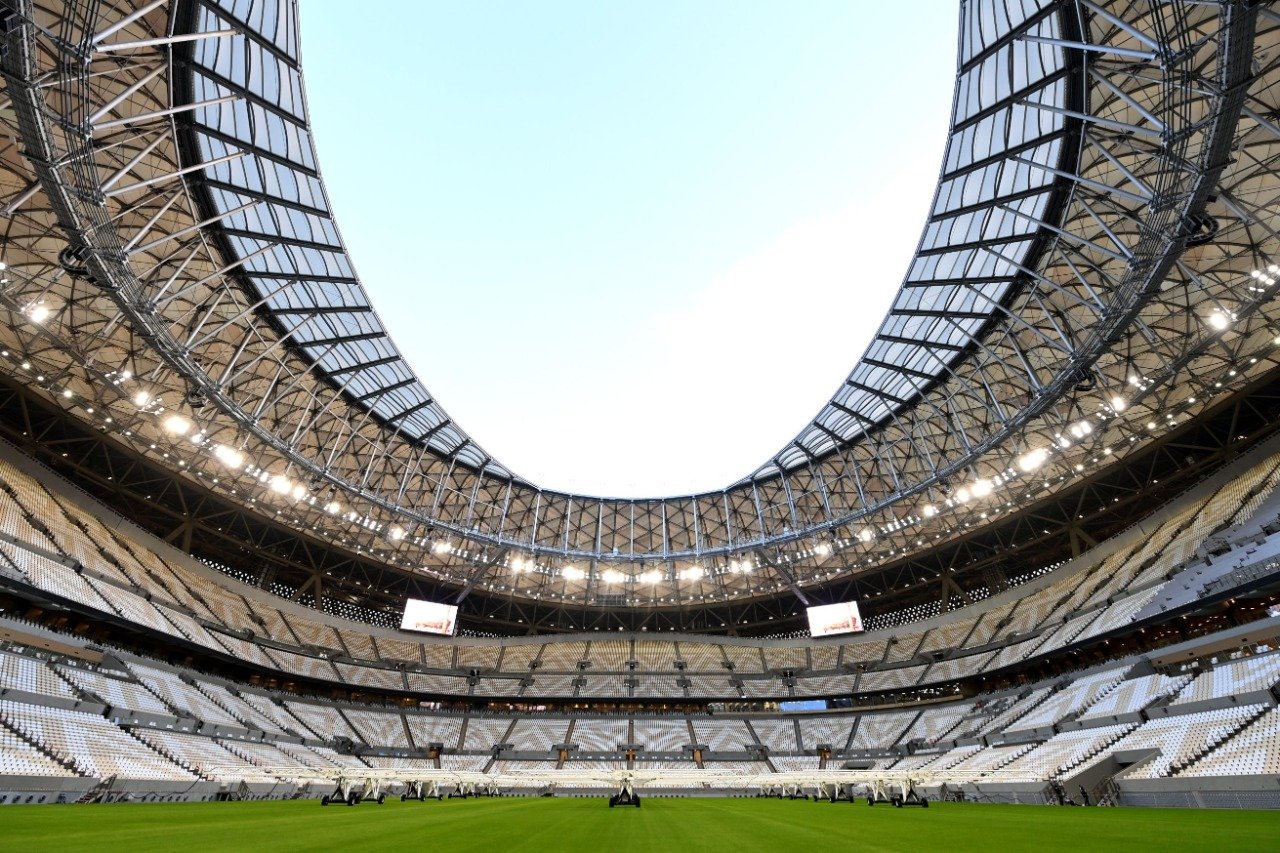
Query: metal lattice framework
{"x": 1096, "y": 270}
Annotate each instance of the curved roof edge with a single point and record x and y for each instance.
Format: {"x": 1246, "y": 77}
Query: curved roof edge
{"x": 270, "y": 211}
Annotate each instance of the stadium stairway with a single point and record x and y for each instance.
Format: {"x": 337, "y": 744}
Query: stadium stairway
{"x": 1245, "y": 575}
{"x": 1161, "y": 702}
{"x": 1240, "y": 726}
{"x": 1062, "y": 724}
{"x": 751, "y": 730}
{"x": 1099, "y": 778}
{"x": 506, "y": 738}
{"x": 76, "y": 689}
{"x": 853, "y": 733}
{"x": 462, "y": 731}
{"x": 568, "y": 738}
{"x": 98, "y": 792}
{"x": 38, "y": 746}
{"x": 1011, "y": 725}
{"x": 1098, "y": 749}
{"x": 347, "y": 720}
{"x": 911, "y": 725}
{"x": 160, "y": 748}
{"x": 408, "y": 733}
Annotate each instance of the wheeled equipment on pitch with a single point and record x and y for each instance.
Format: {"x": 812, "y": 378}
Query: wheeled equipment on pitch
{"x": 352, "y": 790}
{"x": 626, "y": 795}
{"x": 420, "y": 790}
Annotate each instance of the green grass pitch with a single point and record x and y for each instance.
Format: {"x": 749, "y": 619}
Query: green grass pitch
{"x": 588, "y": 824}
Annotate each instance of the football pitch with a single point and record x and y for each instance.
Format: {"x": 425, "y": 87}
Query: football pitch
{"x": 571, "y": 824}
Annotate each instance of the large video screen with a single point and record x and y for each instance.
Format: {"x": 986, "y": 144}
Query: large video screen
{"x": 828, "y": 619}
{"x": 429, "y": 616}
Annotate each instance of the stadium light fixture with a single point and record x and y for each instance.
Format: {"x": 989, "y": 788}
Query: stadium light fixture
{"x": 572, "y": 573}
{"x": 823, "y": 550}
{"x": 228, "y": 456}
{"x": 1081, "y": 428}
{"x": 141, "y": 399}
{"x": 1219, "y": 321}
{"x": 1118, "y": 403}
{"x": 396, "y": 533}
{"x": 440, "y": 546}
{"x": 177, "y": 425}
{"x": 692, "y": 573}
{"x": 866, "y": 534}
{"x": 612, "y": 576}
{"x": 1032, "y": 460}
{"x": 981, "y": 488}
{"x": 930, "y": 510}
{"x": 39, "y": 312}
{"x": 280, "y": 484}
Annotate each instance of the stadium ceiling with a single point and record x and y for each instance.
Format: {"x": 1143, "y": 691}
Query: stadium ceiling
{"x": 1098, "y": 268}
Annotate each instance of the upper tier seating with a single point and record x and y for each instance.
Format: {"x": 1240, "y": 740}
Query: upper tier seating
{"x": 722, "y": 735}
{"x": 600, "y": 735}
{"x": 378, "y": 728}
{"x": 1135, "y": 694}
{"x": 1080, "y": 694}
{"x": 77, "y": 550}
{"x": 434, "y": 729}
{"x": 116, "y": 692}
{"x": 18, "y": 672}
{"x": 1259, "y": 672}
{"x": 881, "y": 730}
{"x": 662, "y": 735}
{"x": 183, "y": 698}
{"x": 537, "y": 735}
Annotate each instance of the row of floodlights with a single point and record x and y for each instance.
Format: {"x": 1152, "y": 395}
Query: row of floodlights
{"x": 177, "y": 425}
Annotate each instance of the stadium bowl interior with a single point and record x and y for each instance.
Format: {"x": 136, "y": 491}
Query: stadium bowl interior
{"x": 1048, "y": 488}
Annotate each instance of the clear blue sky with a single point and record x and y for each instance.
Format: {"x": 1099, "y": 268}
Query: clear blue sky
{"x": 631, "y": 247}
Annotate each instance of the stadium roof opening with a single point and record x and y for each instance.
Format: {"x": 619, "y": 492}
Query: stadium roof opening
{"x": 627, "y": 264}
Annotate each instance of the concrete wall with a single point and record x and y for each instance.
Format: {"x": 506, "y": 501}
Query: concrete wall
{"x": 1214, "y": 792}
{"x": 50, "y": 789}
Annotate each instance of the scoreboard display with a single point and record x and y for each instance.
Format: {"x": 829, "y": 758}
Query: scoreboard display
{"x": 430, "y": 617}
{"x": 828, "y": 619}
